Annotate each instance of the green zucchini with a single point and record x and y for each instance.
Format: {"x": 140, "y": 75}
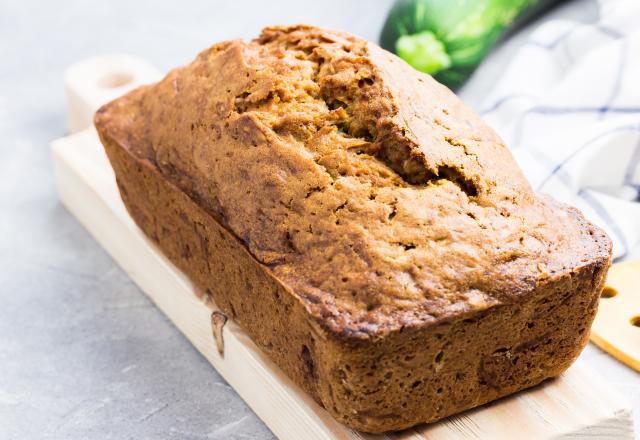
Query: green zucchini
{"x": 449, "y": 38}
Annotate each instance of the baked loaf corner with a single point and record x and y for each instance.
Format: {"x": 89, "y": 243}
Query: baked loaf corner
{"x": 372, "y": 235}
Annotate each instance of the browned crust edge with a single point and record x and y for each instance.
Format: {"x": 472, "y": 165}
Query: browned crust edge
{"x": 376, "y": 385}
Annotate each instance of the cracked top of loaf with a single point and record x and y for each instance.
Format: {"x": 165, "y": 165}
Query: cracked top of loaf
{"x": 368, "y": 189}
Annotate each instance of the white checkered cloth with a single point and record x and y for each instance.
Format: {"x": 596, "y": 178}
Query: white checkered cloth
{"x": 569, "y": 106}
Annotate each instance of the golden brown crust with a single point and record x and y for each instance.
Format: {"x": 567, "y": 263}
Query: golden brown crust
{"x": 360, "y": 222}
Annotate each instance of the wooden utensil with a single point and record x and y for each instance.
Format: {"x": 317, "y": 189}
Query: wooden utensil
{"x": 616, "y": 328}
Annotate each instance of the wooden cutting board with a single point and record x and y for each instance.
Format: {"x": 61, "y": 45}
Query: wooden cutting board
{"x": 579, "y": 404}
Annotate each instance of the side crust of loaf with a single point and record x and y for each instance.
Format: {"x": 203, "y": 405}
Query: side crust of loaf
{"x": 403, "y": 378}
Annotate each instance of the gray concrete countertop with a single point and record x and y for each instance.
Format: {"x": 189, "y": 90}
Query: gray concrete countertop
{"x": 83, "y": 353}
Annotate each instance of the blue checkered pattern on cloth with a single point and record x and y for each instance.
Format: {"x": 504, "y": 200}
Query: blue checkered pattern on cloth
{"x": 569, "y": 106}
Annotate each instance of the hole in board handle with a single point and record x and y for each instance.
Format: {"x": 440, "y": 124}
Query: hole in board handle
{"x": 608, "y": 292}
{"x": 114, "y": 80}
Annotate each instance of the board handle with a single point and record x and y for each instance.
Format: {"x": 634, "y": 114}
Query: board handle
{"x": 92, "y": 82}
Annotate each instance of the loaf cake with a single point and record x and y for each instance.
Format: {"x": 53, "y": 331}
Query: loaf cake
{"x": 369, "y": 232}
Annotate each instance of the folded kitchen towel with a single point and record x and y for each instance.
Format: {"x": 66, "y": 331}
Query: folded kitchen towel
{"x": 569, "y": 106}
